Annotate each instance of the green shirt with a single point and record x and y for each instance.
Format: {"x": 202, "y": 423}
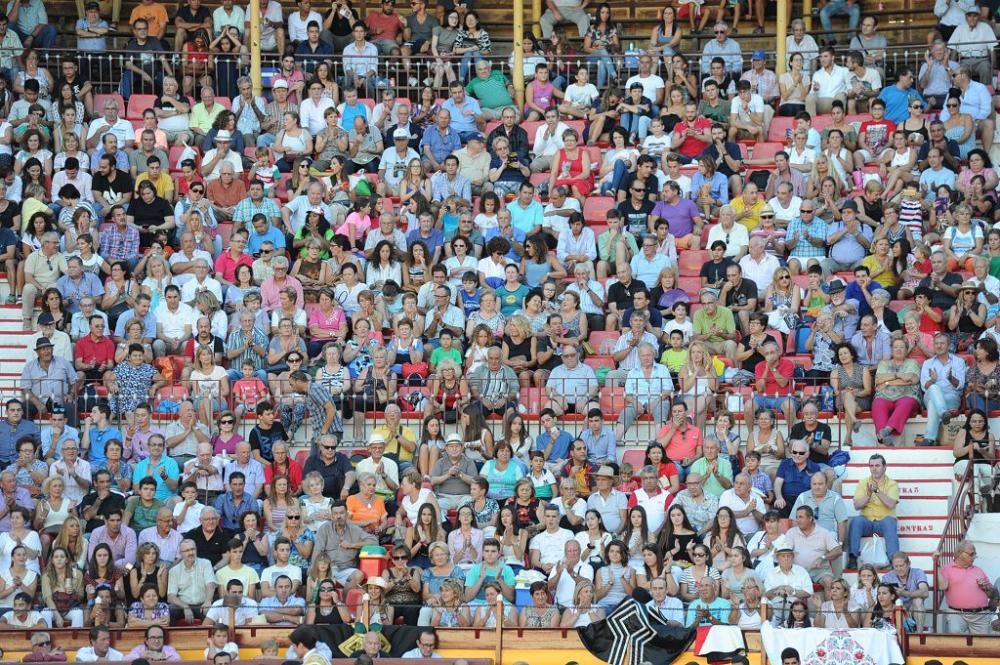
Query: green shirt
{"x": 674, "y": 360}
{"x": 718, "y": 113}
{"x": 491, "y": 92}
{"x": 440, "y": 354}
{"x": 142, "y": 517}
{"x": 723, "y": 319}
{"x": 711, "y": 484}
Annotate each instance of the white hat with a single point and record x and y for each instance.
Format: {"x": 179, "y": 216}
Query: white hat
{"x": 400, "y": 133}
{"x": 223, "y": 135}
{"x": 280, "y": 83}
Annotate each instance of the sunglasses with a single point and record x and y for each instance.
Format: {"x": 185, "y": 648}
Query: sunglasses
{"x": 197, "y": 190}
{"x": 798, "y": 452}
{"x": 401, "y": 557}
{"x": 328, "y": 589}
{"x": 327, "y": 447}
{"x": 293, "y": 517}
{"x": 227, "y": 422}
{"x": 720, "y": 32}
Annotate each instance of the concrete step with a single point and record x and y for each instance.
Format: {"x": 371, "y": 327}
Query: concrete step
{"x": 910, "y": 489}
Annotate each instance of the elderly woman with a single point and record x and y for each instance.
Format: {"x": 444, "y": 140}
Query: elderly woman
{"x": 374, "y": 388}
{"x": 920, "y": 343}
{"x": 133, "y": 382}
{"x": 897, "y": 393}
{"x": 366, "y": 509}
{"x": 982, "y": 390}
{"x": 448, "y": 392}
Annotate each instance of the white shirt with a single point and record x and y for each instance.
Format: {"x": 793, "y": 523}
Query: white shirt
{"x": 797, "y": 578}
{"x": 180, "y": 257}
{"x": 787, "y": 214}
{"x": 71, "y": 490}
{"x": 172, "y": 323}
{"x": 571, "y": 245}
{"x": 559, "y": 223}
{"x": 551, "y": 546}
{"x": 762, "y": 274}
{"x": 581, "y": 95}
{"x": 244, "y": 613}
{"x": 311, "y": 114}
{"x": 122, "y": 129}
{"x": 969, "y": 43}
{"x": 566, "y": 586}
{"x": 191, "y": 289}
{"x": 586, "y": 303}
{"x": 952, "y": 12}
{"x": 831, "y": 83}
{"x": 360, "y": 60}
{"x": 547, "y": 147}
{"x": 736, "y": 238}
{"x": 232, "y": 158}
{"x": 87, "y": 655}
{"x": 650, "y": 85}
{"x": 297, "y": 31}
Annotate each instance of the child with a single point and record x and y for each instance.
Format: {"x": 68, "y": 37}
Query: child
{"x": 626, "y": 479}
{"x": 482, "y": 339}
{"x": 446, "y": 350}
{"x": 468, "y": 296}
{"x": 931, "y": 318}
{"x": 680, "y": 322}
{"x": 675, "y": 357}
{"x": 489, "y": 203}
{"x": 759, "y": 480}
{"x": 269, "y": 649}
{"x": 265, "y": 170}
{"x": 540, "y": 477}
{"x": 918, "y": 266}
{"x": 814, "y": 299}
{"x": 187, "y": 512}
{"x": 657, "y": 141}
{"x": 911, "y": 212}
{"x": 219, "y": 641}
{"x": 189, "y": 176}
{"x": 248, "y": 391}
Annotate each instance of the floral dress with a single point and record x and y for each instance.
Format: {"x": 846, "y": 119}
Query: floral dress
{"x": 133, "y": 386}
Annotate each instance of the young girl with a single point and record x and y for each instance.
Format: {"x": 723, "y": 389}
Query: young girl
{"x": 482, "y": 340}
{"x": 264, "y": 170}
{"x": 626, "y": 479}
{"x": 431, "y": 444}
{"x": 489, "y": 204}
{"x": 248, "y": 391}
{"x": 918, "y": 266}
{"x": 541, "y": 478}
{"x": 357, "y": 223}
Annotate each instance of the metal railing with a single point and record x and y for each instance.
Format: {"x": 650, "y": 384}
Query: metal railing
{"x": 963, "y": 509}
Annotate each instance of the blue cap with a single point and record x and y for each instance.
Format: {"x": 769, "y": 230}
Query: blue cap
{"x": 758, "y": 55}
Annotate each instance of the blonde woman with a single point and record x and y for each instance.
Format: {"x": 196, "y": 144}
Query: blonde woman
{"x": 583, "y": 612}
{"x": 51, "y": 512}
{"x": 782, "y": 301}
{"x": 698, "y": 382}
{"x": 72, "y": 539}
{"x": 519, "y": 349}
{"x": 448, "y": 391}
{"x": 157, "y": 279}
{"x": 208, "y": 384}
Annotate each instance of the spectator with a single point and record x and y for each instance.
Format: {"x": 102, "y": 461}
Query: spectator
{"x": 876, "y": 500}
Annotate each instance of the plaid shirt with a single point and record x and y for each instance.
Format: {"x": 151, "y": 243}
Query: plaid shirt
{"x": 116, "y": 245}
{"x": 246, "y": 209}
{"x": 803, "y": 248}
{"x": 237, "y": 339}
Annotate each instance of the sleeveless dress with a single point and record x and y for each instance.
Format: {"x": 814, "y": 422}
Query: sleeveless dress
{"x": 954, "y": 133}
{"x": 855, "y": 380}
{"x": 768, "y": 450}
{"x": 327, "y": 616}
{"x": 572, "y": 171}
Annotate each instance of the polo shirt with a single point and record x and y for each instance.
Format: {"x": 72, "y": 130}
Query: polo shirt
{"x": 785, "y": 368}
{"x": 723, "y": 319}
{"x": 190, "y": 585}
{"x": 459, "y": 121}
{"x": 795, "y": 481}
{"x": 491, "y": 92}
{"x": 609, "y": 507}
{"x": 333, "y": 473}
{"x": 680, "y": 216}
{"x": 526, "y": 219}
{"x": 210, "y": 548}
{"x": 874, "y": 509}
{"x": 560, "y": 449}
{"x": 808, "y": 548}
{"x": 711, "y": 484}
{"x": 89, "y": 350}
{"x": 146, "y": 468}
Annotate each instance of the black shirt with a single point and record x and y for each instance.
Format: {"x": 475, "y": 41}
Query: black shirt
{"x": 264, "y": 439}
{"x": 652, "y": 187}
{"x": 121, "y": 183}
{"x": 821, "y": 432}
{"x": 636, "y": 218}
{"x": 333, "y": 474}
{"x": 149, "y": 214}
{"x": 938, "y": 297}
{"x": 741, "y": 294}
{"x": 187, "y": 16}
{"x": 518, "y": 139}
{"x": 732, "y": 149}
{"x": 715, "y": 272}
{"x": 750, "y": 364}
{"x": 113, "y": 502}
{"x": 210, "y": 548}
{"x": 621, "y": 295}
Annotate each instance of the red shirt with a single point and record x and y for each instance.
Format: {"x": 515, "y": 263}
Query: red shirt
{"x": 929, "y": 325}
{"x": 786, "y": 368}
{"x": 225, "y": 266}
{"x": 680, "y": 446}
{"x": 693, "y": 146}
{"x": 101, "y": 351}
{"x": 878, "y": 133}
{"x": 384, "y": 26}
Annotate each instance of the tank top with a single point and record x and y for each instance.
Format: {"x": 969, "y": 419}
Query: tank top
{"x": 449, "y": 396}
{"x": 519, "y": 350}
{"x": 535, "y": 273}
{"x": 56, "y": 517}
{"x": 330, "y": 618}
{"x": 542, "y": 94}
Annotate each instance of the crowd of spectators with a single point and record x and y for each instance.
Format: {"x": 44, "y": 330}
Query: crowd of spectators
{"x": 229, "y": 263}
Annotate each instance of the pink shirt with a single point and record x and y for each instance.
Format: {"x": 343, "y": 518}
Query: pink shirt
{"x": 269, "y": 292}
{"x": 225, "y": 266}
{"x": 330, "y": 324}
{"x": 963, "y": 592}
{"x": 361, "y": 225}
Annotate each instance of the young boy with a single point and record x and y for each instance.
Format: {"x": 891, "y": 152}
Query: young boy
{"x": 248, "y": 391}
{"x": 264, "y": 170}
{"x": 187, "y": 512}
{"x": 540, "y": 477}
{"x": 675, "y": 356}
{"x": 468, "y": 297}
{"x": 759, "y": 479}
{"x": 446, "y": 350}
{"x": 657, "y": 141}
{"x": 218, "y": 641}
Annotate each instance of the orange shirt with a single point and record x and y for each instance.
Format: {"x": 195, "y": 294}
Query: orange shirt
{"x": 358, "y": 511}
{"x": 154, "y": 14}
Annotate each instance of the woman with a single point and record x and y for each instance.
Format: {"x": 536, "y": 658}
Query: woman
{"x": 324, "y": 74}
{"x": 698, "y": 382}
{"x": 883, "y": 613}
{"x": 208, "y": 383}
{"x": 636, "y": 535}
{"x": 438, "y": 573}
{"x": 694, "y": 574}
{"x": 852, "y": 385}
{"x": 465, "y": 542}
{"x": 601, "y": 43}
{"x": 794, "y": 86}
{"x": 20, "y": 534}
{"x": 709, "y": 188}
{"x": 280, "y": 498}
{"x": 403, "y": 592}
{"x": 783, "y": 300}
{"x": 737, "y": 574}
{"x": 485, "y": 616}
{"x": 519, "y": 349}
{"x": 678, "y": 537}
{"x": 618, "y": 161}
{"x": 489, "y": 315}
{"x": 921, "y": 344}
{"x": 366, "y": 509}
{"x": 35, "y": 153}
{"x": 665, "y": 37}
{"x": 52, "y": 511}
{"x": 383, "y": 266}
{"x": 255, "y": 543}
{"x": 960, "y": 127}
{"x": 417, "y": 270}
{"x": 72, "y": 539}
{"x": 575, "y": 325}
{"x": 798, "y": 615}
{"x": 616, "y": 580}
{"x": 473, "y": 43}
{"x": 982, "y": 381}
{"x": 158, "y": 278}
{"x": 226, "y": 63}
{"x": 374, "y": 388}
{"x": 448, "y": 392}
{"x": 365, "y": 148}
{"x": 149, "y": 610}
{"x": 768, "y": 441}
{"x": 483, "y": 507}
{"x": 422, "y": 533}
{"x": 979, "y": 165}
{"x": 897, "y": 393}
{"x": 33, "y": 72}
{"x": 120, "y": 291}
{"x": 963, "y": 241}
{"x": 665, "y": 293}
{"x": 722, "y": 538}
{"x": 746, "y": 614}
{"x": 513, "y": 539}
{"x": 837, "y": 612}
{"x": 881, "y": 265}
{"x": 101, "y": 569}
{"x": 62, "y": 591}
{"x": 538, "y": 264}
{"x": 593, "y": 540}
{"x": 288, "y": 311}
{"x": 967, "y": 317}
{"x": 379, "y": 611}
{"x": 728, "y": 437}
{"x": 310, "y": 265}
{"x": 975, "y": 443}
{"x": 654, "y": 566}
{"x": 449, "y": 612}
{"x": 572, "y": 167}
{"x": 327, "y": 610}
{"x": 17, "y": 578}
{"x": 443, "y": 49}
{"x": 501, "y": 472}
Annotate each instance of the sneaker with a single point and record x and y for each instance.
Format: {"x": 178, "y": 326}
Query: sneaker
{"x": 413, "y": 82}
{"x": 758, "y": 30}
{"x": 12, "y": 299}
{"x": 852, "y": 562}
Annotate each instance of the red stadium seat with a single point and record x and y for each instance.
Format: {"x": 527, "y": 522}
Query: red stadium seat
{"x": 301, "y": 457}
{"x": 530, "y": 128}
{"x": 767, "y": 150}
{"x": 612, "y": 400}
{"x": 595, "y": 208}
{"x": 635, "y": 457}
{"x": 779, "y": 129}
{"x": 689, "y": 262}
{"x": 137, "y": 104}
{"x": 596, "y": 362}
{"x": 691, "y": 285}
{"x": 225, "y": 102}
{"x": 604, "y": 341}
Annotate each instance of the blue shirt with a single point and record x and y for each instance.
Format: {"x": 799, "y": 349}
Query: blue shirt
{"x": 518, "y": 234}
{"x": 526, "y": 219}
{"x": 459, "y": 121}
{"x": 795, "y": 482}
{"x": 853, "y": 292}
{"x": 146, "y": 468}
{"x": 350, "y": 112}
{"x": 310, "y": 57}
{"x": 511, "y": 301}
{"x": 273, "y": 235}
{"x": 433, "y": 242}
{"x": 9, "y": 436}
{"x": 440, "y": 146}
{"x": 600, "y": 447}
{"x": 560, "y": 449}
{"x": 98, "y": 440}
{"x": 230, "y": 511}
{"x": 897, "y": 102}
{"x": 68, "y": 434}
{"x": 148, "y": 323}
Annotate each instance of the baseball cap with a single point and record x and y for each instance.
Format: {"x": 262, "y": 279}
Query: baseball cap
{"x": 759, "y": 55}
{"x": 280, "y": 83}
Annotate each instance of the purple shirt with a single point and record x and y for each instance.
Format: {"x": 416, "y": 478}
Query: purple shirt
{"x": 680, "y": 216}
{"x": 169, "y": 653}
{"x": 22, "y": 497}
{"x": 122, "y": 548}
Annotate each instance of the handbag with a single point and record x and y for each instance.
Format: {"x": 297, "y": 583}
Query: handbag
{"x": 873, "y": 552}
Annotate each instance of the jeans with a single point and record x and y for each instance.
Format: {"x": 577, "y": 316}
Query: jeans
{"x": 835, "y": 7}
{"x": 862, "y": 528}
{"x": 468, "y": 59}
{"x": 44, "y": 39}
{"x": 616, "y": 179}
{"x": 235, "y": 374}
{"x": 938, "y": 402}
{"x": 636, "y": 124}
{"x": 605, "y": 67}
{"x": 976, "y": 401}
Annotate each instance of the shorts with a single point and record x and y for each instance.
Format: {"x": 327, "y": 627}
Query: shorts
{"x": 818, "y": 574}
{"x": 776, "y": 402}
{"x": 344, "y": 575}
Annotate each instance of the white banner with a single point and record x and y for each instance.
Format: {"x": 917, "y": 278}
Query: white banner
{"x": 818, "y": 646}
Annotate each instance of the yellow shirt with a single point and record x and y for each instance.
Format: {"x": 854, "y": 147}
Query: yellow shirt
{"x": 392, "y": 446}
{"x": 164, "y": 184}
{"x": 29, "y": 207}
{"x": 886, "y": 277}
{"x": 752, "y": 220}
{"x": 874, "y": 509}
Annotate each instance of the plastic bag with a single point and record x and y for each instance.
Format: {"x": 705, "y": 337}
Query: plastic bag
{"x": 873, "y": 552}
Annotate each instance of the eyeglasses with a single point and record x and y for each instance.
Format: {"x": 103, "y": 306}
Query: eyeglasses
{"x": 720, "y": 32}
{"x": 639, "y": 189}
{"x": 399, "y": 557}
{"x": 197, "y": 190}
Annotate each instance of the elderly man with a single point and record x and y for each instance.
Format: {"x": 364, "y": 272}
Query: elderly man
{"x": 609, "y": 502}
{"x": 651, "y": 498}
{"x": 708, "y": 609}
{"x": 12, "y": 497}
{"x": 829, "y": 508}
{"x": 163, "y": 534}
{"x": 493, "y": 385}
{"x": 876, "y": 499}
{"x": 700, "y": 508}
{"x": 333, "y": 466}
{"x": 716, "y": 471}
{"x": 383, "y": 468}
{"x": 438, "y": 142}
{"x": 77, "y": 284}
{"x": 681, "y": 440}
{"x": 722, "y": 46}
{"x": 572, "y": 386}
{"x": 205, "y": 471}
{"x": 225, "y": 192}
{"x": 758, "y": 266}
{"x": 912, "y": 586}
{"x": 794, "y": 476}
{"x": 210, "y": 539}
{"x": 220, "y": 155}
{"x": 934, "y": 79}
{"x": 974, "y": 100}
{"x": 942, "y": 378}
{"x": 787, "y": 581}
{"x": 568, "y": 573}
{"x": 746, "y": 503}
{"x": 648, "y": 389}
{"x": 190, "y": 584}
{"x": 492, "y": 89}
{"x": 41, "y": 271}
{"x": 452, "y": 475}
{"x": 341, "y": 540}
{"x": 48, "y": 382}
{"x": 714, "y": 325}
{"x": 252, "y": 470}
{"x": 815, "y": 548}
{"x": 774, "y": 385}
{"x": 967, "y": 590}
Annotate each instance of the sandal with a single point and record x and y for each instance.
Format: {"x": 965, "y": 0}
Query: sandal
{"x": 11, "y": 299}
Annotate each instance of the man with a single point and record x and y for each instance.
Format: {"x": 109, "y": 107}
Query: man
{"x": 546, "y": 548}
{"x": 474, "y": 162}
{"x": 120, "y": 242}
{"x": 510, "y": 130}
{"x": 652, "y": 498}
{"x": 235, "y": 502}
{"x": 94, "y": 358}
{"x": 787, "y": 581}
{"x": 205, "y": 471}
{"x": 173, "y": 323}
{"x": 974, "y": 99}
{"x": 875, "y": 499}
{"x": 282, "y": 608}
{"x": 493, "y": 385}
{"x": 716, "y": 471}
{"x": 714, "y": 104}
{"x": 758, "y": 265}
{"x": 815, "y": 548}
{"x": 185, "y": 434}
{"x": 153, "y": 648}
{"x": 935, "y": 76}
{"x": 443, "y": 317}
{"x": 120, "y": 538}
{"x": 648, "y": 389}
{"x": 565, "y": 11}
{"x": 49, "y": 382}
{"x": 708, "y": 609}
{"x": 864, "y": 83}
{"x": 146, "y": 63}
{"x": 805, "y": 241}
{"x": 693, "y": 135}
{"x": 700, "y": 508}
{"x": 871, "y": 342}
{"x": 427, "y": 640}
{"x": 336, "y": 469}
{"x": 967, "y": 590}
{"x": 648, "y": 264}
{"x": 222, "y": 154}
{"x": 911, "y": 586}
{"x": 714, "y": 325}
{"x": 974, "y": 42}
{"x": 599, "y": 439}
{"x": 491, "y": 88}
{"x": 746, "y": 502}
{"x": 794, "y": 476}
{"x": 850, "y": 8}
{"x": 942, "y": 379}
{"x": 944, "y": 285}
{"x": 607, "y": 501}
{"x": 100, "y": 647}
{"x": 166, "y": 538}
{"x": 748, "y": 115}
{"x": 303, "y": 640}
{"x": 56, "y": 435}
{"x": 568, "y": 572}
{"x": 681, "y": 440}
{"x": 312, "y": 51}
{"x": 200, "y": 283}
{"x": 341, "y": 541}
{"x": 667, "y": 608}
{"x": 97, "y": 506}
{"x": 936, "y": 169}
{"x": 190, "y": 584}
{"x": 452, "y": 474}
{"x": 439, "y": 142}
{"x": 790, "y": 656}
{"x": 164, "y": 469}
{"x": 252, "y": 470}
{"x": 245, "y": 609}
{"x": 682, "y": 215}
{"x": 12, "y": 497}
{"x": 323, "y": 417}
{"x": 830, "y": 82}
{"x": 848, "y": 240}
{"x": 464, "y": 111}
{"x": 491, "y": 570}
{"x": 210, "y": 540}
{"x": 724, "y": 47}
{"x": 41, "y": 271}
{"x": 828, "y": 507}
